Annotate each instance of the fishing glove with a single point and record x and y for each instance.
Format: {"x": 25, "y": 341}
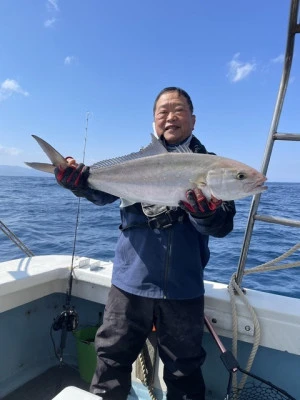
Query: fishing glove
{"x": 197, "y": 204}
{"x": 72, "y": 177}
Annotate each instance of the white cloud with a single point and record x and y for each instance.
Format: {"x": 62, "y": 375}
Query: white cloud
{"x": 49, "y": 22}
{"x": 239, "y": 70}
{"x": 11, "y": 151}
{"x": 69, "y": 60}
{"x": 278, "y": 59}
{"x": 52, "y": 5}
{"x": 9, "y": 87}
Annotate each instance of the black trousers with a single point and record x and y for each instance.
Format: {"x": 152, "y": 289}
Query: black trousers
{"x": 127, "y": 322}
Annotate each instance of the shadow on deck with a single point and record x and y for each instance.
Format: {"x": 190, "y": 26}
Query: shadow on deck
{"x": 47, "y": 385}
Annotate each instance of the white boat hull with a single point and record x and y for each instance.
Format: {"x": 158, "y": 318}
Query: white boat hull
{"x": 32, "y": 293}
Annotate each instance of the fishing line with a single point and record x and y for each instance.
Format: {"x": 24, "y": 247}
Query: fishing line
{"x": 68, "y": 320}
{"x": 69, "y": 292}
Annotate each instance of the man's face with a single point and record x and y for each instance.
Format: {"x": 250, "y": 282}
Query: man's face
{"x": 173, "y": 118}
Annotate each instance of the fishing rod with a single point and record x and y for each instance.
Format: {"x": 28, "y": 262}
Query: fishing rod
{"x": 68, "y": 320}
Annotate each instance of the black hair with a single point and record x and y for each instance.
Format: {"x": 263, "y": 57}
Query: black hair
{"x": 180, "y": 91}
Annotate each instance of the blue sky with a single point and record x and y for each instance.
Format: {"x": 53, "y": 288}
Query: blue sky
{"x": 60, "y": 60}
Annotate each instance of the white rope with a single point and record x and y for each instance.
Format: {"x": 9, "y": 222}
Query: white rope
{"x": 270, "y": 265}
{"x": 234, "y": 290}
{"x": 234, "y": 324}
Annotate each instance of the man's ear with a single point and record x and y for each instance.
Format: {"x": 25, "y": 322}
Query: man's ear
{"x": 154, "y": 130}
{"x": 194, "y": 121}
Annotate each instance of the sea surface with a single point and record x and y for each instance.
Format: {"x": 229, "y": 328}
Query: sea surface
{"x": 43, "y": 216}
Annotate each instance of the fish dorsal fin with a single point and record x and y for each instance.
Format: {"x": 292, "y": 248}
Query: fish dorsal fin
{"x": 182, "y": 148}
{"x": 154, "y": 148}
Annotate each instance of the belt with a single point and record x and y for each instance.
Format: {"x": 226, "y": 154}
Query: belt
{"x": 162, "y": 221}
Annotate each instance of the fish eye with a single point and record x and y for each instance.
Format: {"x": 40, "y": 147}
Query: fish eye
{"x": 241, "y": 176}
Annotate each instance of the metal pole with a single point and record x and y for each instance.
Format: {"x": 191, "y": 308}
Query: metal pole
{"x": 293, "y": 28}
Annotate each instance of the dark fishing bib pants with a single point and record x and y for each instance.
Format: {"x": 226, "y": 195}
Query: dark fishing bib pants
{"x": 128, "y": 320}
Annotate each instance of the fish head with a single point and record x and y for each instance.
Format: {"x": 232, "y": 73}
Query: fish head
{"x": 234, "y": 181}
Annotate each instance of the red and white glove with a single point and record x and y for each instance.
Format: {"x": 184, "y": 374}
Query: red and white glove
{"x": 197, "y": 204}
{"x": 73, "y": 177}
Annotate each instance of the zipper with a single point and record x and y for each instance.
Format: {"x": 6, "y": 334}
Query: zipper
{"x": 168, "y": 258}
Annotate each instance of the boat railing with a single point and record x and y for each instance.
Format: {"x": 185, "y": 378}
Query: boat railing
{"x": 17, "y": 241}
{"x": 293, "y": 29}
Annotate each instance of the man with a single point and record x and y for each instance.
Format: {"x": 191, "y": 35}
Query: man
{"x": 158, "y": 270}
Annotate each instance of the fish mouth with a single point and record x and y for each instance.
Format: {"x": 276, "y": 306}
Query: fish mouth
{"x": 258, "y": 186}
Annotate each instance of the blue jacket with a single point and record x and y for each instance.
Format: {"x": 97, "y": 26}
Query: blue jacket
{"x": 164, "y": 263}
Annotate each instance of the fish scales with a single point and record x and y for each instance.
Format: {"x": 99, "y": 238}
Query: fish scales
{"x": 161, "y": 179}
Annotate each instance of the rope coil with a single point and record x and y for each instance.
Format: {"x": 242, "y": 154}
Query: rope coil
{"x": 234, "y": 290}
{"x": 145, "y": 372}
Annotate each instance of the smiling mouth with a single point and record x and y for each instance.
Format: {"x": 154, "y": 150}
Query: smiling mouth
{"x": 171, "y": 128}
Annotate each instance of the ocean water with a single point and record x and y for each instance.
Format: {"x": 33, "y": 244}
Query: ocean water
{"x": 43, "y": 216}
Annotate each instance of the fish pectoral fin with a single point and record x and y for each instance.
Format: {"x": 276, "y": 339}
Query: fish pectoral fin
{"x": 41, "y": 166}
{"x": 200, "y": 183}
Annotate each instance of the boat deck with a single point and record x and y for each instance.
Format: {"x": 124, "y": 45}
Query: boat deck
{"x": 50, "y": 383}
{"x": 47, "y": 385}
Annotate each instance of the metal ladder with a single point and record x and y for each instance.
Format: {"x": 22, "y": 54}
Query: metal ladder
{"x": 293, "y": 29}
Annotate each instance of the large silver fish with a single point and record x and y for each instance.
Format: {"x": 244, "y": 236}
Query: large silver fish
{"x": 155, "y": 176}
